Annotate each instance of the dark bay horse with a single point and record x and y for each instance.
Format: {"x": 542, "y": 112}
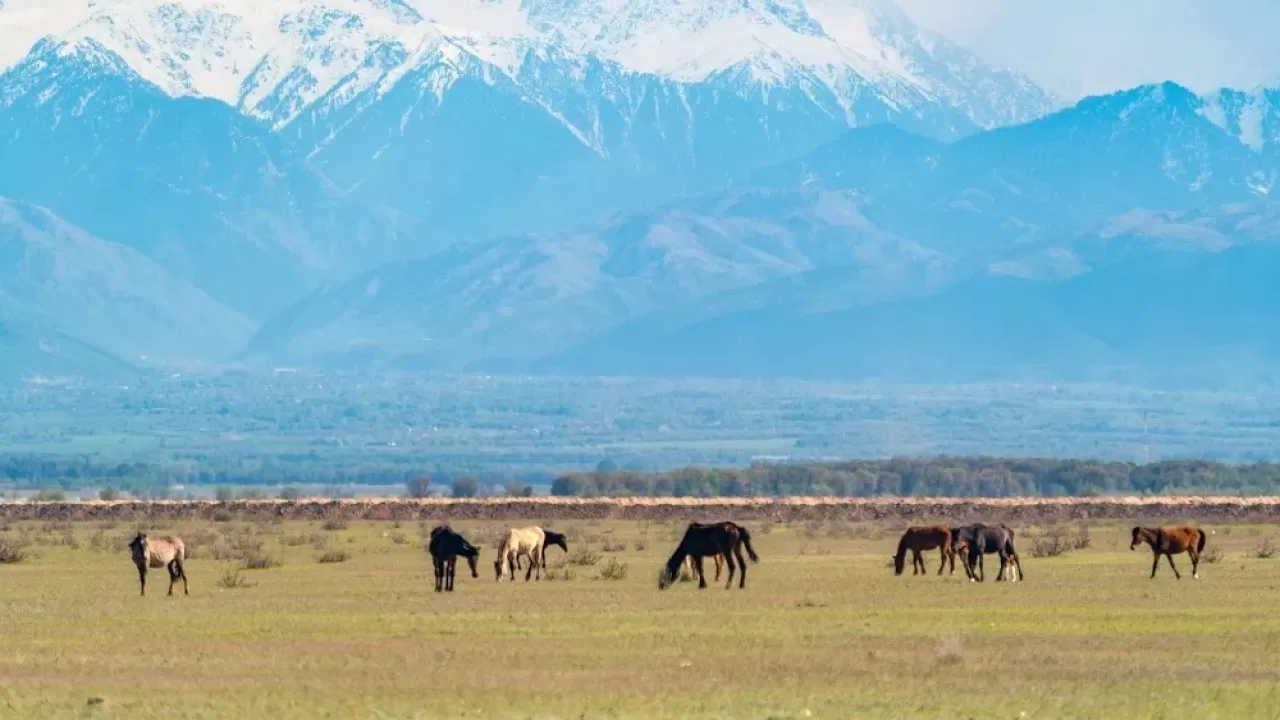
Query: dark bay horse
{"x": 702, "y": 540}
{"x": 979, "y": 540}
{"x": 445, "y": 547}
{"x": 1169, "y": 541}
{"x": 920, "y": 538}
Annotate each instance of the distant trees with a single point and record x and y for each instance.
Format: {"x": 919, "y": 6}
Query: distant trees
{"x": 466, "y": 486}
{"x": 289, "y": 493}
{"x": 418, "y": 486}
{"x": 935, "y": 477}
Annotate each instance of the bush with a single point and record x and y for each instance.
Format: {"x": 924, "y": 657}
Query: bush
{"x": 334, "y": 556}
{"x": 1264, "y": 550}
{"x": 224, "y": 494}
{"x": 584, "y": 556}
{"x": 49, "y": 496}
{"x": 612, "y": 570}
{"x": 1052, "y": 543}
{"x": 1211, "y": 555}
{"x": 333, "y": 525}
{"x": 221, "y": 516}
{"x": 12, "y": 552}
{"x": 259, "y": 561}
{"x": 233, "y": 579}
{"x": 108, "y": 494}
{"x": 289, "y": 493}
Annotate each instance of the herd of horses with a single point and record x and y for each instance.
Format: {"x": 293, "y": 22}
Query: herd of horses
{"x": 972, "y": 542}
{"x": 723, "y": 542}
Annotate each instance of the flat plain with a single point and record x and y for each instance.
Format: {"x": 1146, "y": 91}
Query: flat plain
{"x": 824, "y": 629}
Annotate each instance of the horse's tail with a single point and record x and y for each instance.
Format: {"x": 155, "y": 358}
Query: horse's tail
{"x": 746, "y": 542}
{"x": 1200, "y": 543}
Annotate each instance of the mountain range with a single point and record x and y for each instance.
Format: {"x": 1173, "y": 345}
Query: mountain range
{"x": 773, "y": 187}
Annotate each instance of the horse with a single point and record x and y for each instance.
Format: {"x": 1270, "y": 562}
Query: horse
{"x": 1170, "y": 541}
{"x": 701, "y": 540}
{"x": 552, "y": 538}
{"x": 979, "y": 540}
{"x": 916, "y": 539}
{"x": 168, "y": 551}
{"x": 445, "y": 547}
{"x": 691, "y": 565}
{"x": 531, "y": 541}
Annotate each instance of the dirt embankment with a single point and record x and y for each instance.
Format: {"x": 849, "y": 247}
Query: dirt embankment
{"x": 1009, "y": 510}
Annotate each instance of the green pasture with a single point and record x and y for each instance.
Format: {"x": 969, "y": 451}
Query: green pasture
{"x": 823, "y": 629}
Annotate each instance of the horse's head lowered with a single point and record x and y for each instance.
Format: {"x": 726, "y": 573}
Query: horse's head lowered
{"x": 899, "y": 561}
{"x": 555, "y": 538}
{"x": 472, "y": 555}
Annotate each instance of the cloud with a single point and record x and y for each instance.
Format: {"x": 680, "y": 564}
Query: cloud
{"x": 1080, "y": 47}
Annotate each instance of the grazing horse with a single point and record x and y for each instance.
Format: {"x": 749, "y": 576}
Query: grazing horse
{"x": 531, "y": 541}
{"x": 1169, "y": 541}
{"x": 916, "y": 539}
{"x": 979, "y": 540}
{"x": 701, "y": 540}
{"x": 445, "y": 547}
{"x": 168, "y": 551}
{"x": 692, "y": 566}
{"x": 552, "y": 538}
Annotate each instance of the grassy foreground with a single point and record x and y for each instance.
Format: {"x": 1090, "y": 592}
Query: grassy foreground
{"x": 823, "y": 629}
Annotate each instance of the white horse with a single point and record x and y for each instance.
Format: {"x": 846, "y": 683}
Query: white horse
{"x": 530, "y": 542}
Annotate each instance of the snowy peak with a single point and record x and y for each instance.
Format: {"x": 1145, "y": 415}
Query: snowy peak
{"x": 274, "y": 58}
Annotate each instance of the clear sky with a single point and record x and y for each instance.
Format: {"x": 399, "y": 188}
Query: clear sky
{"x": 1080, "y": 47}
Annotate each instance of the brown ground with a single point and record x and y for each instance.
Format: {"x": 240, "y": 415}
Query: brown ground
{"x": 955, "y": 510}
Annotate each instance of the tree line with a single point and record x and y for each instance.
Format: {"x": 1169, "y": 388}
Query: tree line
{"x": 932, "y": 477}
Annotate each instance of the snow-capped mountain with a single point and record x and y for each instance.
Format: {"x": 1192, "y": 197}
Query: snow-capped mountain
{"x": 274, "y": 59}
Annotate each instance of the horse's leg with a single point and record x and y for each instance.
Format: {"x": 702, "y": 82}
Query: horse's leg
{"x": 1176, "y": 574}
{"x": 182, "y": 573}
{"x": 719, "y": 560}
{"x": 942, "y": 554}
{"x": 702, "y": 578}
{"x": 742, "y": 567}
{"x": 453, "y": 571}
{"x": 173, "y": 574}
{"x": 1155, "y": 562}
{"x": 1195, "y": 563}
{"x": 1004, "y": 566}
{"x": 728, "y": 560}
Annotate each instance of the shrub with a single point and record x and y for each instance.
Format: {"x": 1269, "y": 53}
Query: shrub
{"x": 1052, "y": 543}
{"x": 584, "y": 556}
{"x": 49, "y": 496}
{"x": 12, "y": 552}
{"x": 333, "y": 525}
{"x": 419, "y": 487}
{"x": 233, "y": 579}
{"x": 221, "y": 516}
{"x": 1265, "y": 549}
{"x": 224, "y": 494}
{"x": 614, "y": 569}
{"x": 108, "y": 494}
{"x": 260, "y": 561}
{"x": 334, "y": 556}
{"x": 289, "y": 493}
{"x": 1211, "y": 555}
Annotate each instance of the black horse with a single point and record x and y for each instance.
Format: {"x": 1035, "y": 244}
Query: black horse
{"x": 979, "y": 540}
{"x": 702, "y": 540}
{"x": 445, "y": 547}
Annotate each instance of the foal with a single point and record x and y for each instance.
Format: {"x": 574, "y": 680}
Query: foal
{"x": 1170, "y": 541}
{"x": 168, "y": 551}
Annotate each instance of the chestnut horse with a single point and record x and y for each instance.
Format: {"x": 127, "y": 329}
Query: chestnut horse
{"x": 1169, "y": 541}
{"x": 916, "y": 539}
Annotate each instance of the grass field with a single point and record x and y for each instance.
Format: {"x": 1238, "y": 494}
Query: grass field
{"x": 823, "y": 629}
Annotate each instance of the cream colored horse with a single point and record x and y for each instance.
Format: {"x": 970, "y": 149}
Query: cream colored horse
{"x": 168, "y": 551}
{"x": 529, "y": 542}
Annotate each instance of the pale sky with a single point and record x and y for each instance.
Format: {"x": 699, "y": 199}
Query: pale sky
{"x": 1081, "y": 47}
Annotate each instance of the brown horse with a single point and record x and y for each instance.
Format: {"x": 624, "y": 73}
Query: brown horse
{"x": 708, "y": 539}
{"x": 1169, "y": 541}
{"x": 917, "y": 539}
